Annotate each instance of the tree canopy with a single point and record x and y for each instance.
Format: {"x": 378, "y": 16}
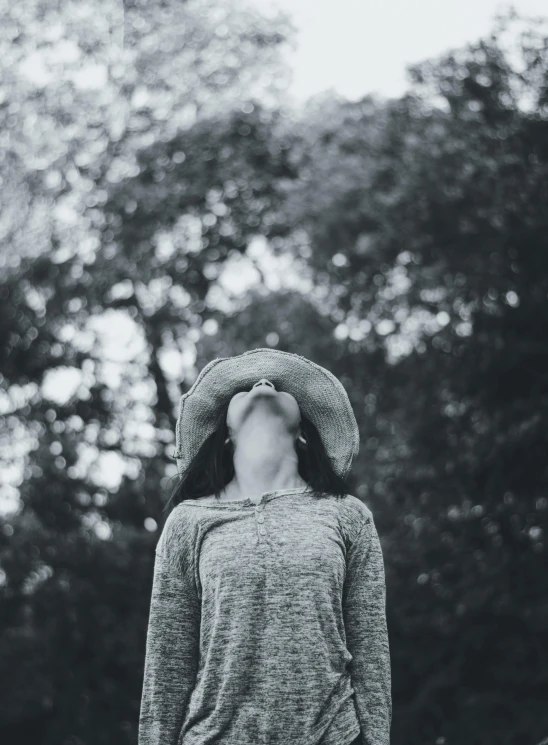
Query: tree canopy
{"x": 149, "y": 162}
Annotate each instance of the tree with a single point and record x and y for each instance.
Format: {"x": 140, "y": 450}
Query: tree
{"x": 86, "y": 138}
{"x": 427, "y": 221}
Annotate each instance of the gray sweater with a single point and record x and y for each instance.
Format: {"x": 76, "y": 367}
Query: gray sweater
{"x": 267, "y": 625}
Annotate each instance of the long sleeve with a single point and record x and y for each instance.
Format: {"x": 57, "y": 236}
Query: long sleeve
{"x": 172, "y": 647}
{"x": 364, "y": 611}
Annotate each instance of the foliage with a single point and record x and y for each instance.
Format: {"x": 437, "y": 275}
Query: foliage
{"x": 416, "y": 228}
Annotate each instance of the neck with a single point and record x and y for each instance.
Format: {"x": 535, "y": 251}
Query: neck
{"x": 265, "y": 461}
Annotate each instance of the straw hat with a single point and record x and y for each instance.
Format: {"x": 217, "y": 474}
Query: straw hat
{"x": 319, "y": 394}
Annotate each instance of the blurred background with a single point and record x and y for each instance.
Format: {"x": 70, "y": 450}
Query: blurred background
{"x": 369, "y": 188}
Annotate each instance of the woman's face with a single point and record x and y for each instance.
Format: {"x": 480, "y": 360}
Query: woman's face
{"x": 262, "y": 399}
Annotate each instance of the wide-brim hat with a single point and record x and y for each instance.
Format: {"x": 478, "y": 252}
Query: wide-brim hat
{"x": 320, "y": 395}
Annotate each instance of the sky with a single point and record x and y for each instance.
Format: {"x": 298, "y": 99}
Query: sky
{"x": 359, "y": 47}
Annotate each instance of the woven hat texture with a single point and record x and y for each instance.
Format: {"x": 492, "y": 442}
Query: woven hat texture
{"x": 320, "y": 395}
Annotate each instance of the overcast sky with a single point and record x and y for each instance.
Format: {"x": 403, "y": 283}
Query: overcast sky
{"x": 360, "y": 46}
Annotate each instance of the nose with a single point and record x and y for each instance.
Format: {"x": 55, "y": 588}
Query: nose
{"x": 264, "y": 381}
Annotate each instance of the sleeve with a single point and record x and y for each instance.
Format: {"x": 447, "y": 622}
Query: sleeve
{"x": 364, "y": 611}
{"x": 172, "y": 647}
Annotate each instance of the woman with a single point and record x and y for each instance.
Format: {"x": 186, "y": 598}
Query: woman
{"x": 267, "y": 620}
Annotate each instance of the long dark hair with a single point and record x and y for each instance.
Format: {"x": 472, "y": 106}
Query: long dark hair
{"x": 212, "y": 468}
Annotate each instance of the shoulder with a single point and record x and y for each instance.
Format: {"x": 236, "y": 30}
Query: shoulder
{"x": 353, "y": 515}
{"x": 176, "y": 540}
{"x": 354, "y": 509}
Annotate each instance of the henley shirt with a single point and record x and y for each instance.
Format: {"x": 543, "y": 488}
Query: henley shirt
{"x": 267, "y": 625}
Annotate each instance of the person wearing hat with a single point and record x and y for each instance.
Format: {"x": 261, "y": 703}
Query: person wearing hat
{"x": 267, "y": 620}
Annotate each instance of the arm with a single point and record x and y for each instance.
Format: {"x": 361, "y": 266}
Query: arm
{"x": 364, "y": 609}
{"x": 172, "y": 648}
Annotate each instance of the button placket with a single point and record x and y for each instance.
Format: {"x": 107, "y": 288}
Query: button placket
{"x": 260, "y": 518}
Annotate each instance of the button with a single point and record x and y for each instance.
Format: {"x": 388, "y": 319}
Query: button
{"x": 262, "y": 531}
{"x": 260, "y": 519}
{"x": 259, "y": 507}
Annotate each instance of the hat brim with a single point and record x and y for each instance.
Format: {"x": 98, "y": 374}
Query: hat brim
{"x": 320, "y": 395}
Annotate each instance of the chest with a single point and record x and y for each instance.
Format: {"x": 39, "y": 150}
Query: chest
{"x": 272, "y": 550}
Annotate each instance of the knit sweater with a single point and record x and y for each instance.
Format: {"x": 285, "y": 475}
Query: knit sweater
{"x": 267, "y": 625}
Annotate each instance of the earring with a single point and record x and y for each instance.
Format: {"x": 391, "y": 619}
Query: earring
{"x": 227, "y": 440}
{"x": 301, "y": 439}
